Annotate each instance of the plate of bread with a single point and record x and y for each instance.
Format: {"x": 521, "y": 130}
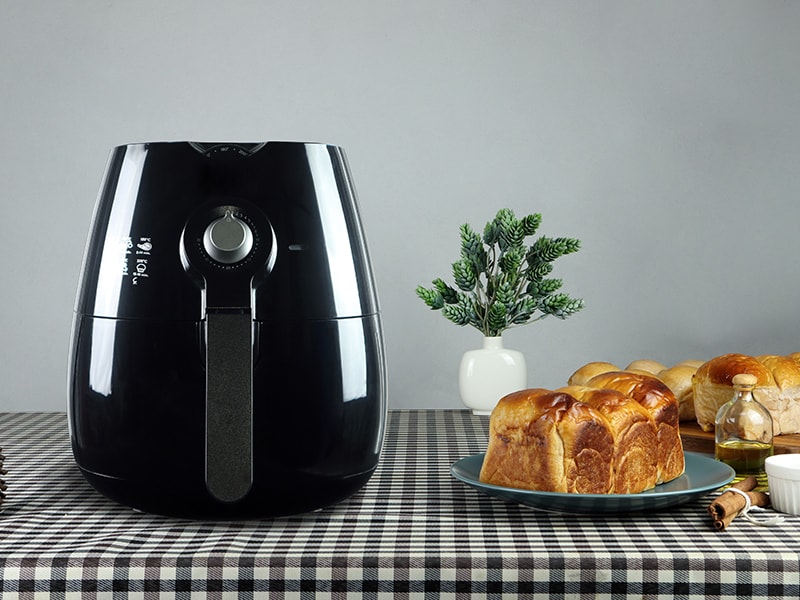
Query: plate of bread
{"x": 701, "y": 476}
{"x": 608, "y": 442}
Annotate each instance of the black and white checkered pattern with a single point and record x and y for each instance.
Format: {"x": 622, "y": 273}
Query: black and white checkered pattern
{"x": 413, "y": 531}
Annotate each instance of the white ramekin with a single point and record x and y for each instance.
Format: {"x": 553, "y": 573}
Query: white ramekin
{"x": 783, "y": 473}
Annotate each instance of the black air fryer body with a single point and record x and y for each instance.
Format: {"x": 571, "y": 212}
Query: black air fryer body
{"x": 227, "y": 353}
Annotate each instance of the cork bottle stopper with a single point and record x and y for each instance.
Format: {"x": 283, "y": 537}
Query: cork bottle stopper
{"x": 745, "y": 380}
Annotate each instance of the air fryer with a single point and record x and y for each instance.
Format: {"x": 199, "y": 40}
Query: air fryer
{"x": 227, "y": 353}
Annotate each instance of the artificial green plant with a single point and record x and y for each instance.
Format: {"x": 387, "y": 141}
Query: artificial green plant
{"x": 501, "y": 283}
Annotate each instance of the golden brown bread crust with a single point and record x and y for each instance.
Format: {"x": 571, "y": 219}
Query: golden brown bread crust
{"x": 784, "y": 370}
{"x": 589, "y": 370}
{"x": 691, "y": 363}
{"x": 777, "y": 388}
{"x": 679, "y": 380}
{"x": 647, "y": 390}
{"x": 656, "y": 397}
{"x": 722, "y": 369}
{"x": 644, "y": 365}
{"x": 713, "y": 387}
{"x": 548, "y": 441}
{"x": 701, "y": 387}
{"x": 634, "y": 466}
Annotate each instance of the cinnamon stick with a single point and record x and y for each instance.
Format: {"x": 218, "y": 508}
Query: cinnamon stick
{"x": 728, "y": 505}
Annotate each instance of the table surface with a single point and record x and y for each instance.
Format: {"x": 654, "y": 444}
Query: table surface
{"x": 412, "y": 531}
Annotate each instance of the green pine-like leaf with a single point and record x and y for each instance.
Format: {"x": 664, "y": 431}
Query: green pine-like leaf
{"x": 464, "y": 274}
{"x": 497, "y": 318}
{"x": 510, "y": 261}
{"x": 456, "y": 314}
{"x": 472, "y": 248}
{"x": 530, "y": 224}
{"x": 508, "y": 228}
{"x": 449, "y": 295}
{"x": 491, "y": 233}
{"x": 430, "y": 297}
{"x": 561, "y": 305}
{"x": 539, "y": 271}
{"x": 512, "y": 236}
{"x": 504, "y": 218}
{"x": 505, "y": 294}
{"x": 548, "y": 249}
{"x": 523, "y": 310}
{"x": 543, "y": 287}
{"x": 461, "y": 313}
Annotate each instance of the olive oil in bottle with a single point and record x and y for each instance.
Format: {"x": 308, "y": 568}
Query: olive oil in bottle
{"x": 743, "y": 432}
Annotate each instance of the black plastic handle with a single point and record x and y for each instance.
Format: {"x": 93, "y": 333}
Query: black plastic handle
{"x": 229, "y": 403}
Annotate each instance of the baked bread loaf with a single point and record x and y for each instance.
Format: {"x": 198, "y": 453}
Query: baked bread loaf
{"x": 645, "y": 365}
{"x": 548, "y": 441}
{"x": 589, "y": 370}
{"x": 633, "y": 465}
{"x": 617, "y": 434}
{"x": 777, "y": 388}
{"x": 654, "y": 395}
{"x": 678, "y": 378}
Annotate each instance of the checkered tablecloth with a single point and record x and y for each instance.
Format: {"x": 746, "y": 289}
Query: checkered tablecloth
{"x": 413, "y": 531}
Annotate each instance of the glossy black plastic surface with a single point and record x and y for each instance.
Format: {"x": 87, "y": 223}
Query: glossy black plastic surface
{"x": 138, "y": 414}
{"x": 174, "y": 400}
{"x": 310, "y": 259}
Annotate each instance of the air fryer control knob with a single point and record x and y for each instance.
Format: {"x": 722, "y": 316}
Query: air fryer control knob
{"x": 228, "y": 239}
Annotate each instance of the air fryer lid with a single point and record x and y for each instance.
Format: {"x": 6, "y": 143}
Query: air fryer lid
{"x": 174, "y": 217}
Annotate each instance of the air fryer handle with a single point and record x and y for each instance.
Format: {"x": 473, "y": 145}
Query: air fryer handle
{"x": 229, "y": 403}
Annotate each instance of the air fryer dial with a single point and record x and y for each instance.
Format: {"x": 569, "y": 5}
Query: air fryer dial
{"x": 228, "y": 240}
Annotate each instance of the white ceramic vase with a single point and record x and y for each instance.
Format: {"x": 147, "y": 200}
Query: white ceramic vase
{"x": 488, "y": 374}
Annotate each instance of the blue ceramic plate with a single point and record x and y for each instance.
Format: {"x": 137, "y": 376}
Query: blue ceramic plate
{"x": 702, "y": 475}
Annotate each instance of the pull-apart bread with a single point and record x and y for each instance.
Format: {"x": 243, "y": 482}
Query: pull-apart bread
{"x": 548, "y": 441}
{"x": 678, "y": 378}
{"x": 777, "y": 388}
{"x": 634, "y": 464}
{"x": 656, "y": 397}
{"x": 616, "y": 434}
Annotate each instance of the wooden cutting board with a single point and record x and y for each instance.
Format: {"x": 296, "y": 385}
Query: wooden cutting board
{"x": 697, "y": 440}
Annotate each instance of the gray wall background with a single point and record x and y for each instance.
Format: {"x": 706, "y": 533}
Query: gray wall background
{"x": 665, "y": 135}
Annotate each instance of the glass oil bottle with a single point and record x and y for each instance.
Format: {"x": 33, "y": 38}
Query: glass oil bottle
{"x": 743, "y": 432}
